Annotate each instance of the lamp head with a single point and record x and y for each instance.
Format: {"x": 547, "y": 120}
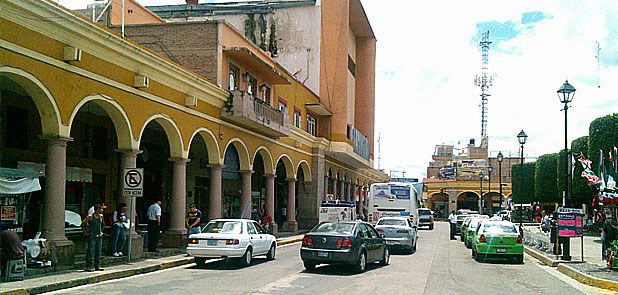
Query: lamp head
{"x": 500, "y": 157}
{"x": 566, "y": 92}
{"x": 522, "y": 137}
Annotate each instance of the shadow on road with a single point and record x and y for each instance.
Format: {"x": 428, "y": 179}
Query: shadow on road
{"x": 340, "y": 269}
{"x": 228, "y": 264}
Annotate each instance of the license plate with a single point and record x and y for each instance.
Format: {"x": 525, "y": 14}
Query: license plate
{"x": 390, "y": 242}
{"x": 322, "y": 254}
{"x": 211, "y": 243}
{"x": 501, "y": 250}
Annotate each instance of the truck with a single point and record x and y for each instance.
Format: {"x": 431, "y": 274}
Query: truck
{"x": 337, "y": 211}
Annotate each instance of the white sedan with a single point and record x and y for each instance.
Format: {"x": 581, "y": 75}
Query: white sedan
{"x": 240, "y": 238}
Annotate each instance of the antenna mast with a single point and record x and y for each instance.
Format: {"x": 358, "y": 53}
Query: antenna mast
{"x": 379, "y": 155}
{"x": 485, "y": 80}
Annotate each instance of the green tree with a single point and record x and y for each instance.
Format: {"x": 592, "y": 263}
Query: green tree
{"x": 603, "y": 135}
{"x": 250, "y": 27}
{"x": 262, "y": 24}
{"x": 545, "y": 179}
{"x": 581, "y": 192}
{"x": 272, "y": 39}
{"x": 522, "y": 181}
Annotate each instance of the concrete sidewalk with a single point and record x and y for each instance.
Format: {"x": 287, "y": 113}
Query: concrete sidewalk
{"x": 78, "y": 278}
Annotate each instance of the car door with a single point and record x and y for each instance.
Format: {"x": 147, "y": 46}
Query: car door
{"x": 263, "y": 237}
{"x": 374, "y": 245}
{"x": 254, "y": 238}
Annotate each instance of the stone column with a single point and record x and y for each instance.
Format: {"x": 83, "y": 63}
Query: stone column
{"x": 290, "y": 224}
{"x": 175, "y": 235}
{"x": 214, "y": 210}
{"x": 270, "y": 201}
{"x": 245, "y": 194}
{"x": 128, "y": 159}
{"x": 326, "y": 188}
{"x": 62, "y": 251}
{"x": 342, "y": 191}
{"x": 335, "y": 191}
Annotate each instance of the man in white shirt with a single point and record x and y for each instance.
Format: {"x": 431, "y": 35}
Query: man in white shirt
{"x": 154, "y": 225}
{"x": 452, "y": 219}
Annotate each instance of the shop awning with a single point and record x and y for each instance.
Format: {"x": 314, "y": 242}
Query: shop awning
{"x": 72, "y": 173}
{"x": 18, "y": 181}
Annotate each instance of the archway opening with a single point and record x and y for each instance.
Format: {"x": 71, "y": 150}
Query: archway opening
{"x": 281, "y": 193}
{"x": 198, "y": 177}
{"x": 439, "y": 204}
{"x": 231, "y": 183}
{"x": 468, "y": 200}
{"x": 258, "y": 188}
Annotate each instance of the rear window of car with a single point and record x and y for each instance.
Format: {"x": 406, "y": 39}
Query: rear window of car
{"x": 424, "y": 212}
{"x": 334, "y": 227}
{"x": 474, "y": 224}
{"x": 223, "y": 227}
{"x": 392, "y": 222}
{"x": 462, "y": 217}
{"x": 497, "y": 228}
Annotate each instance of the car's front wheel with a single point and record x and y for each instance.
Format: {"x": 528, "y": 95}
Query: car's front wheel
{"x": 361, "y": 263}
{"x": 271, "y": 253}
{"x": 386, "y": 259}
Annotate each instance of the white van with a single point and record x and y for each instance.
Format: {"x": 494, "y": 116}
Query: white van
{"x": 393, "y": 199}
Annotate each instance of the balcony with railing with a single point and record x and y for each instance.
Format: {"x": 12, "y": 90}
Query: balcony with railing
{"x": 357, "y": 154}
{"x": 250, "y": 112}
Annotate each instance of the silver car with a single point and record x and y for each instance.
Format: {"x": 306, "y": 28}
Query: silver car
{"x": 398, "y": 232}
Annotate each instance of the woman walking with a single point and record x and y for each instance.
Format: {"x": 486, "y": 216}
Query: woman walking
{"x": 93, "y": 228}
{"x": 119, "y": 218}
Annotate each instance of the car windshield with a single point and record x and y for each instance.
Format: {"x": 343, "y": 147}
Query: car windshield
{"x": 392, "y": 222}
{"x": 334, "y": 227}
{"x": 223, "y": 227}
{"x": 424, "y": 212}
{"x": 499, "y": 228}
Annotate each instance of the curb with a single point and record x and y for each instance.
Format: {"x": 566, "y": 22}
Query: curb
{"x": 539, "y": 256}
{"x": 587, "y": 279}
{"x": 99, "y": 278}
{"x": 289, "y": 241}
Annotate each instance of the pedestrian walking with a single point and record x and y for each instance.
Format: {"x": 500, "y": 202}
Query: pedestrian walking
{"x": 192, "y": 221}
{"x": 119, "y": 219}
{"x": 93, "y": 229}
{"x": 154, "y": 225}
{"x": 453, "y": 223}
{"x": 544, "y": 222}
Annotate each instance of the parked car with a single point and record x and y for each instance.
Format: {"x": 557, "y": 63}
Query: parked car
{"x": 470, "y": 231}
{"x": 497, "y": 239}
{"x": 355, "y": 243}
{"x": 460, "y": 220}
{"x": 464, "y": 227}
{"x": 425, "y": 217}
{"x": 238, "y": 238}
{"x": 398, "y": 232}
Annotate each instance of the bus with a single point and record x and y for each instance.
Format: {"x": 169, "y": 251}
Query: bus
{"x": 394, "y": 199}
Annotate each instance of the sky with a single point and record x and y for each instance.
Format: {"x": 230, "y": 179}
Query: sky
{"x": 428, "y": 55}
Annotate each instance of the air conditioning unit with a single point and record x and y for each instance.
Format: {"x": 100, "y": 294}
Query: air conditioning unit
{"x": 72, "y": 54}
{"x": 140, "y": 81}
{"x": 191, "y": 101}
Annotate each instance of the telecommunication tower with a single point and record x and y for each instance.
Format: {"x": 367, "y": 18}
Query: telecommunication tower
{"x": 484, "y": 80}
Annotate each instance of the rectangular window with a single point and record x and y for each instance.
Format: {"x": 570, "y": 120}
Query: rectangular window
{"x": 251, "y": 85}
{"x": 233, "y": 77}
{"x": 297, "y": 118}
{"x": 311, "y": 125}
{"x": 283, "y": 106}
{"x": 16, "y": 128}
{"x": 351, "y": 66}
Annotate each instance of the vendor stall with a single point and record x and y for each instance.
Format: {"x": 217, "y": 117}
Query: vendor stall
{"x": 16, "y": 187}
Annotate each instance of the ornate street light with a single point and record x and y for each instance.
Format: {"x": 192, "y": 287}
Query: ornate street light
{"x": 481, "y": 175}
{"x": 500, "y": 158}
{"x": 491, "y": 205}
{"x": 521, "y": 137}
{"x": 566, "y": 94}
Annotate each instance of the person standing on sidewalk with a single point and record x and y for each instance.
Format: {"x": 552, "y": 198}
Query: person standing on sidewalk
{"x": 119, "y": 218}
{"x": 192, "y": 221}
{"x": 93, "y": 229}
{"x": 452, "y": 219}
{"x": 154, "y": 225}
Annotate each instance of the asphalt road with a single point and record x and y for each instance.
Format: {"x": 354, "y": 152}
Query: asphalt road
{"x": 439, "y": 266}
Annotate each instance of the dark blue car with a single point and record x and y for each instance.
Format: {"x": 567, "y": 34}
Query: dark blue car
{"x": 355, "y": 243}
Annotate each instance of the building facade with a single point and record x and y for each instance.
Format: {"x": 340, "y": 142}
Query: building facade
{"x": 78, "y": 104}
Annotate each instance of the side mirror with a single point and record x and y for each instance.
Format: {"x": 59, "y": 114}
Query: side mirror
{"x": 382, "y": 236}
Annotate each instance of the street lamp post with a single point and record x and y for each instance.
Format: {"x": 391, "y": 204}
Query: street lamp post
{"x": 500, "y": 158}
{"x": 521, "y": 137}
{"x": 481, "y": 197}
{"x": 566, "y": 94}
{"x": 491, "y": 204}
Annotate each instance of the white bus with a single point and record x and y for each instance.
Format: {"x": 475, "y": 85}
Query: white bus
{"x": 393, "y": 199}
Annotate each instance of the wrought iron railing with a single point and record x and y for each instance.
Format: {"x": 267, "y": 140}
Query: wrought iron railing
{"x": 360, "y": 143}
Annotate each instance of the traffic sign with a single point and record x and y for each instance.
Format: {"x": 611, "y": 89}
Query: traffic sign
{"x": 133, "y": 182}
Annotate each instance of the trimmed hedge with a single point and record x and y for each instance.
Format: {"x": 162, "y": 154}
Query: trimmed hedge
{"x": 545, "y": 184}
{"x": 603, "y": 135}
{"x": 581, "y": 192}
{"x": 522, "y": 181}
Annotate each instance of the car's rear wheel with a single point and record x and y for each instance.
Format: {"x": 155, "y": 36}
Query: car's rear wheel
{"x": 309, "y": 265}
{"x": 430, "y": 226}
{"x": 386, "y": 259}
{"x": 246, "y": 259}
{"x": 519, "y": 259}
{"x": 200, "y": 261}
{"x": 271, "y": 253}
{"x": 361, "y": 263}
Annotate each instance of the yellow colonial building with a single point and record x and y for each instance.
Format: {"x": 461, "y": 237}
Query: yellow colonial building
{"x": 79, "y": 103}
